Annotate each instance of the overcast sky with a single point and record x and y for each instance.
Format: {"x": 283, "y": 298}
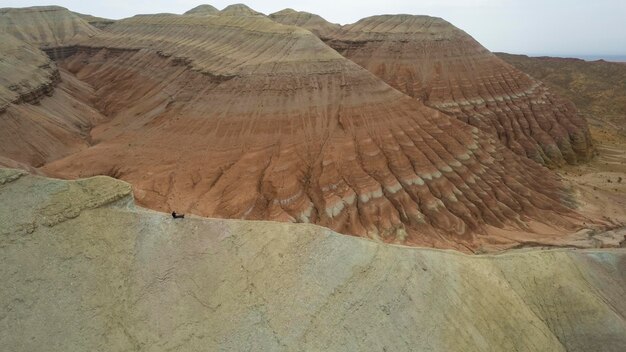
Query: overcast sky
{"x": 551, "y": 27}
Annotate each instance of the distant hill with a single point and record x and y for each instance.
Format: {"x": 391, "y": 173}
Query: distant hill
{"x": 85, "y": 268}
{"x": 439, "y": 64}
{"x": 97, "y": 22}
{"x": 598, "y": 88}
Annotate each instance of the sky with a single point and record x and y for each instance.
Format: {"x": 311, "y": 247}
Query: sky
{"x": 533, "y": 27}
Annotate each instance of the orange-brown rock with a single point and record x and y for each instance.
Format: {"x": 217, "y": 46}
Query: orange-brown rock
{"x": 431, "y": 60}
{"x": 98, "y": 22}
{"x": 241, "y": 117}
{"x": 26, "y": 73}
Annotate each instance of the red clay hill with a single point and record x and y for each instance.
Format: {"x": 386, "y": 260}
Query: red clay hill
{"x": 234, "y": 115}
{"x": 429, "y": 59}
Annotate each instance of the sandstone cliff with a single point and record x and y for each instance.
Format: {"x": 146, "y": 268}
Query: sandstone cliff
{"x": 84, "y": 269}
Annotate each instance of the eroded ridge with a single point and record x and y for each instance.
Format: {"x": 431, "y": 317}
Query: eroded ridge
{"x": 310, "y": 21}
{"x": 26, "y": 73}
{"x": 431, "y": 60}
{"x": 45, "y": 25}
{"x": 240, "y": 117}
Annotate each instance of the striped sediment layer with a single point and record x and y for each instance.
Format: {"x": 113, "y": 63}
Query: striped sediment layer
{"x": 45, "y": 114}
{"x": 429, "y": 59}
{"x": 237, "y": 116}
{"x": 26, "y": 73}
{"x": 312, "y": 22}
{"x": 45, "y": 25}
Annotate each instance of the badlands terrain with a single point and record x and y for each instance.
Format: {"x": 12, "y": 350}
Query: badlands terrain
{"x": 283, "y": 138}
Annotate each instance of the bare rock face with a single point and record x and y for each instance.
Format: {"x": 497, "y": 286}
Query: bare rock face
{"x": 312, "y": 22}
{"x": 431, "y": 60}
{"x": 83, "y": 269}
{"x": 240, "y": 117}
{"x": 203, "y": 10}
{"x": 45, "y": 25}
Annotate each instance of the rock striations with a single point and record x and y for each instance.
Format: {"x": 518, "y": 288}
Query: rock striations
{"x": 45, "y": 25}
{"x": 239, "y": 10}
{"x": 241, "y": 117}
{"x": 26, "y": 73}
{"x": 85, "y": 270}
{"x": 202, "y": 10}
{"x": 312, "y": 22}
{"x": 41, "y": 118}
{"x": 28, "y": 134}
{"x": 431, "y": 60}
{"x": 98, "y": 22}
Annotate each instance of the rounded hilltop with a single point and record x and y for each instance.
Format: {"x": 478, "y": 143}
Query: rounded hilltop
{"x": 312, "y": 22}
{"x": 320, "y": 139}
{"x": 202, "y": 10}
{"x": 239, "y": 10}
{"x": 431, "y": 60}
{"x": 45, "y": 25}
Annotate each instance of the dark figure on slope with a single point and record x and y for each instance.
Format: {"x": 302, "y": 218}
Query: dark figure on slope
{"x": 178, "y": 216}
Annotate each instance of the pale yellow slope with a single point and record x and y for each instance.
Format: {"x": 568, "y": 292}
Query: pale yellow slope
{"x": 83, "y": 269}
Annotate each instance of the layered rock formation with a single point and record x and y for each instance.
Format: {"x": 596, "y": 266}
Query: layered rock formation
{"x": 312, "y": 22}
{"x": 41, "y": 119}
{"x": 202, "y": 10}
{"x": 85, "y": 270}
{"x": 98, "y": 22}
{"x": 26, "y": 73}
{"x": 598, "y": 88}
{"x": 45, "y": 25}
{"x": 240, "y": 117}
{"x": 239, "y": 10}
{"x": 431, "y": 60}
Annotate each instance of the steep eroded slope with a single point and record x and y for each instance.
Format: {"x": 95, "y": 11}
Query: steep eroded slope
{"x": 439, "y": 64}
{"x": 240, "y": 117}
{"x": 45, "y": 25}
